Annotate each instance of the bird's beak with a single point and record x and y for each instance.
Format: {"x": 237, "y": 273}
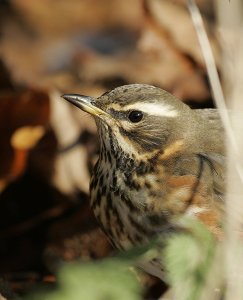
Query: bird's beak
{"x": 85, "y": 103}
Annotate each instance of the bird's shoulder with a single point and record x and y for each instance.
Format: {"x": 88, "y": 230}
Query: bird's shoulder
{"x": 211, "y": 116}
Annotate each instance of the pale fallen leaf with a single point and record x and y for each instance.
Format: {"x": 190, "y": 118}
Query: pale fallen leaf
{"x": 71, "y": 171}
{"x": 26, "y": 137}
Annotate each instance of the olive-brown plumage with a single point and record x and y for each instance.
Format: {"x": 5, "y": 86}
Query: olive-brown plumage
{"x": 159, "y": 160}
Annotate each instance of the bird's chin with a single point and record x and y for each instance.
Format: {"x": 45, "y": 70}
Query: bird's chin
{"x": 101, "y": 124}
{"x": 106, "y": 122}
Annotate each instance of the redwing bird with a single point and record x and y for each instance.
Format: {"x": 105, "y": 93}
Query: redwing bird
{"x": 159, "y": 160}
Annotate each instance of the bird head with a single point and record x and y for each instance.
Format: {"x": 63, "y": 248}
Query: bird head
{"x": 138, "y": 118}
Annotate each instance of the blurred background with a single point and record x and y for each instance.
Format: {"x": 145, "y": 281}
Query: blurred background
{"x": 47, "y": 147}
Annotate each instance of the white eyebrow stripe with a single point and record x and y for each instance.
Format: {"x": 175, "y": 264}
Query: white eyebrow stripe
{"x": 155, "y": 109}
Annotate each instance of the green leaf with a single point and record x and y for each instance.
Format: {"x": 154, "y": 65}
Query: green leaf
{"x": 109, "y": 279}
{"x": 188, "y": 257}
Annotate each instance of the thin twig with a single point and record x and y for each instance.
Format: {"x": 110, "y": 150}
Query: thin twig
{"x": 234, "y": 210}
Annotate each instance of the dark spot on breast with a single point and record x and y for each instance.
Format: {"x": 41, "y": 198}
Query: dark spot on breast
{"x": 119, "y": 221}
{"x": 104, "y": 189}
{"x": 109, "y": 156}
{"x": 129, "y": 203}
{"x": 144, "y": 167}
{"x": 108, "y": 219}
{"x": 117, "y": 192}
{"x": 118, "y": 162}
{"x": 98, "y": 197}
{"x": 109, "y": 200}
{"x": 102, "y": 155}
{"x": 135, "y": 185}
{"x": 128, "y": 176}
{"x": 114, "y": 181}
{"x": 152, "y": 193}
{"x": 139, "y": 227}
{"x": 130, "y": 182}
{"x": 147, "y": 185}
{"x": 105, "y": 156}
{"x": 140, "y": 168}
{"x": 94, "y": 182}
{"x": 101, "y": 178}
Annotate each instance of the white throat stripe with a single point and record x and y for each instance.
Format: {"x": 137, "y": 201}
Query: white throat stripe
{"x": 154, "y": 109}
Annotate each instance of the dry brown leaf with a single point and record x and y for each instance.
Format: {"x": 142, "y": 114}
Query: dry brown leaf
{"x": 64, "y": 16}
{"x": 165, "y": 68}
{"x": 71, "y": 169}
{"x": 176, "y": 21}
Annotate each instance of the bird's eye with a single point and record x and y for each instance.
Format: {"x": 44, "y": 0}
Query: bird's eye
{"x": 135, "y": 116}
